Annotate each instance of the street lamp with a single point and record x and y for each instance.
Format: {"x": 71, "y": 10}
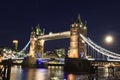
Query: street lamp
{"x": 15, "y": 42}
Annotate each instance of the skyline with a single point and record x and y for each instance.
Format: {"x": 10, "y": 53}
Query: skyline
{"x": 18, "y": 18}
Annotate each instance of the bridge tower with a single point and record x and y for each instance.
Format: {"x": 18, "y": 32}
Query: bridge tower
{"x": 74, "y": 62}
{"x": 39, "y": 48}
{"x": 77, "y": 45}
{"x": 39, "y": 44}
{"x": 31, "y": 60}
{"x": 32, "y": 44}
{"x": 36, "y": 46}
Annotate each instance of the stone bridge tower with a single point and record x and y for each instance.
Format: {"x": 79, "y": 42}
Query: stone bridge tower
{"x": 32, "y": 44}
{"x": 36, "y": 45}
{"x": 75, "y": 63}
{"x": 77, "y": 45}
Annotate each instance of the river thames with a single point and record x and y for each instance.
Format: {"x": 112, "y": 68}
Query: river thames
{"x": 53, "y": 73}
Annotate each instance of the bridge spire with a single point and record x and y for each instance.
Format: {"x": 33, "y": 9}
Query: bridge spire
{"x": 79, "y": 19}
{"x": 38, "y": 30}
{"x": 85, "y": 22}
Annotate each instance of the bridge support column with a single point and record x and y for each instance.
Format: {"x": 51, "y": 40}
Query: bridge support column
{"x": 30, "y": 61}
{"x": 74, "y": 38}
{"x": 77, "y": 66}
{"x": 39, "y": 47}
{"x": 32, "y": 45}
{"x": 6, "y": 69}
{"x": 110, "y": 71}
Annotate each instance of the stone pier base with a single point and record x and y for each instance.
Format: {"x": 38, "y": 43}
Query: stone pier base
{"x": 29, "y": 62}
{"x": 77, "y": 66}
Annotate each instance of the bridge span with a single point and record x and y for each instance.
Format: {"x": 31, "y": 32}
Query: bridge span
{"x": 53, "y": 36}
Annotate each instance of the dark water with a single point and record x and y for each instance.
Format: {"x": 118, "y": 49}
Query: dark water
{"x": 52, "y": 73}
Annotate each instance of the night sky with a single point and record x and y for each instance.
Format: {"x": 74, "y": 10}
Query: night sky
{"x": 17, "y": 17}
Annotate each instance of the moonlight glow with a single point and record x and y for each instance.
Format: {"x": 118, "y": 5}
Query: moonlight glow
{"x": 109, "y": 39}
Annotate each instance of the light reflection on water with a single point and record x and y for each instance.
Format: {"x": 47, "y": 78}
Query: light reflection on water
{"x": 17, "y": 73}
{"x": 52, "y": 73}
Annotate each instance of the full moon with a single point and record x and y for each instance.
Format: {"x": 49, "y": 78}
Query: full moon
{"x": 109, "y": 39}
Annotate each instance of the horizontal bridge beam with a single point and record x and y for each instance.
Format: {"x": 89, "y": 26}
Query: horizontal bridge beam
{"x": 53, "y": 36}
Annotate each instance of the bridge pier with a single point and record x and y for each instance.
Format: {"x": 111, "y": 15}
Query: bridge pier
{"x": 77, "y": 66}
{"x": 111, "y": 71}
{"x": 29, "y": 62}
{"x": 6, "y": 69}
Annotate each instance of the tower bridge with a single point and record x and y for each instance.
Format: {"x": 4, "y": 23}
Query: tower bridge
{"x": 79, "y": 42}
{"x": 77, "y": 59}
{"x": 38, "y": 38}
{"x": 81, "y": 46}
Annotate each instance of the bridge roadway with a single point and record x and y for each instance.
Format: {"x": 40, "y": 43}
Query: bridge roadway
{"x": 51, "y": 36}
{"x": 60, "y": 61}
{"x": 18, "y": 61}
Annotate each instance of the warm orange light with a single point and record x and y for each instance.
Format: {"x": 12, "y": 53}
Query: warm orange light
{"x": 15, "y": 41}
{"x": 71, "y": 77}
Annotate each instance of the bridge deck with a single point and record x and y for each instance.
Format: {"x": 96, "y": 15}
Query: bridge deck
{"x": 52, "y": 36}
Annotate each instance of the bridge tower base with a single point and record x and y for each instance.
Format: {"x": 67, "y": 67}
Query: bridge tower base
{"x": 29, "y": 62}
{"x": 77, "y": 66}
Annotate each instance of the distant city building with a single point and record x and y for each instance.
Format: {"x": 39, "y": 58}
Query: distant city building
{"x": 1, "y": 50}
{"x": 60, "y": 52}
{"x": 50, "y": 54}
{"x": 15, "y": 42}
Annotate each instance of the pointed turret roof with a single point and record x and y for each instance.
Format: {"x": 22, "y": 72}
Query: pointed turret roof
{"x": 79, "y": 19}
{"x": 38, "y": 26}
{"x": 85, "y": 22}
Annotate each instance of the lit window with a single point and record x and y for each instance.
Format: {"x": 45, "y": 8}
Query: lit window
{"x": 76, "y": 24}
{"x": 83, "y": 41}
{"x": 85, "y": 27}
{"x": 72, "y": 25}
{"x": 80, "y": 25}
